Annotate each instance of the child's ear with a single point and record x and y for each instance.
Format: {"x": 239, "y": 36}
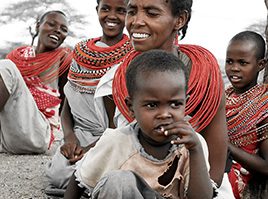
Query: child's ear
{"x": 262, "y": 63}
{"x": 97, "y": 7}
{"x": 129, "y": 104}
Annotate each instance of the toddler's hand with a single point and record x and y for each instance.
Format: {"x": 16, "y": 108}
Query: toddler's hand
{"x": 184, "y": 134}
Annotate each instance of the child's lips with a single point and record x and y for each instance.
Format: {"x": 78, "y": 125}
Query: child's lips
{"x": 161, "y": 128}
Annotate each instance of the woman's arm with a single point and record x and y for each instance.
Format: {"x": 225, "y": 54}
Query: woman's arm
{"x": 253, "y": 162}
{"x": 110, "y": 109}
{"x": 216, "y": 137}
{"x": 71, "y": 148}
{"x": 62, "y": 81}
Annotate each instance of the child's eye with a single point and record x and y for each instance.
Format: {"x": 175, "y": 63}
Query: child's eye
{"x": 151, "y": 105}
{"x": 121, "y": 11}
{"x": 104, "y": 9}
{"x": 176, "y": 104}
{"x": 228, "y": 61}
{"x": 243, "y": 63}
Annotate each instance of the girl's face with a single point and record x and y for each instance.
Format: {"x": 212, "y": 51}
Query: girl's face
{"x": 151, "y": 24}
{"x": 52, "y": 32}
{"x": 159, "y": 100}
{"x": 112, "y": 15}
{"x": 242, "y": 67}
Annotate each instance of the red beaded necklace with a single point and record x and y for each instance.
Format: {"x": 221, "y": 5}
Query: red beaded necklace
{"x": 94, "y": 61}
{"x": 52, "y": 64}
{"x": 205, "y": 86}
{"x": 244, "y": 112}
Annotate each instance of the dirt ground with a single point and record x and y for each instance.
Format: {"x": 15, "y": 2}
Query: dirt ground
{"x": 23, "y": 176}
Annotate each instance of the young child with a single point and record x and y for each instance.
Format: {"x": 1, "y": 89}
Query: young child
{"x": 159, "y": 154}
{"x": 30, "y": 88}
{"x": 93, "y": 60}
{"x": 247, "y": 111}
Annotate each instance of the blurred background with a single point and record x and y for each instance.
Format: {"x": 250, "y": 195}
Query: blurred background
{"x": 212, "y": 25}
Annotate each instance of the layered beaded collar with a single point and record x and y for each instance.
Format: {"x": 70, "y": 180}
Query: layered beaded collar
{"x": 91, "y": 62}
{"x": 244, "y": 112}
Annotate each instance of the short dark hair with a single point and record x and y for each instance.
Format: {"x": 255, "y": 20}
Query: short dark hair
{"x": 256, "y": 38}
{"x": 41, "y": 19}
{"x": 153, "y": 61}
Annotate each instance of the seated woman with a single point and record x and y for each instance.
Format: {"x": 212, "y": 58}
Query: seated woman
{"x": 31, "y": 82}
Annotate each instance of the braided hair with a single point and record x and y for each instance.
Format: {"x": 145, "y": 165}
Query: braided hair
{"x": 179, "y": 6}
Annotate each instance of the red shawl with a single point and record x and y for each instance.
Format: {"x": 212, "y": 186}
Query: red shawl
{"x": 33, "y": 66}
{"x": 205, "y": 86}
{"x": 41, "y": 69}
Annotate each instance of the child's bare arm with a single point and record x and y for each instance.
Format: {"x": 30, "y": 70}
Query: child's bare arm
{"x": 73, "y": 190}
{"x": 253, "y": 162}
{"x": 199, "y": 182}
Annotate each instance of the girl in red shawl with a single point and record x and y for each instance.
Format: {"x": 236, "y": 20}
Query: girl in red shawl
{"x": 247, "y": 114}
{"x": 31, "y": 81}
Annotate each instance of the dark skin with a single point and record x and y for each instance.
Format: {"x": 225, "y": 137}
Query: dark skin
{"x": 216, "y": 137}
{"x": 150, "y": 16}
{"x": 241, "y": 61}
{"x": 110, "y": 109}
{"x": 73, "y": 190}
{"x": 53, "y": 24}
{"x": 159, "y": 110}
{"x": 109, "y": 12}
{"x": 4, "y": 94}
{"x": 71, "y": 148}
{"x": 154, "y": 104}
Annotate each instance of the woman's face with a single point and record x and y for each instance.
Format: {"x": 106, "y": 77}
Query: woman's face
{"x": 52, "y": 32}
{"x": 112, "y": 15}
{"x": 151, "y": 24}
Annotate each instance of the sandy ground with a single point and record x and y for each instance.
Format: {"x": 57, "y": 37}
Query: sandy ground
{"x": 23, "y": 176}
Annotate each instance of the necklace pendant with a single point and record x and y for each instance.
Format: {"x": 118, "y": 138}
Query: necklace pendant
{"x": 28, "y": 52}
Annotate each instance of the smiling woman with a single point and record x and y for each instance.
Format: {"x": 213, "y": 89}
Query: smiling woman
{"x": 32, "y": 80}
{"x": 93, "y": 60}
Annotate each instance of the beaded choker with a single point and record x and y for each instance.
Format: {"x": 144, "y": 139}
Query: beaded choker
{"x": 91, "y": 62}
{"x": 204, "y": 86}
{"x": 244, "y": 112}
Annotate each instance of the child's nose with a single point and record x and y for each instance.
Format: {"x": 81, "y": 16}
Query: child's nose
{"x": 164, "y": 113}
{"x": 235, "y": 67}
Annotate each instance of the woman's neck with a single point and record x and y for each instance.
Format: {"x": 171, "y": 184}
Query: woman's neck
{"x": 110, "y": 41}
